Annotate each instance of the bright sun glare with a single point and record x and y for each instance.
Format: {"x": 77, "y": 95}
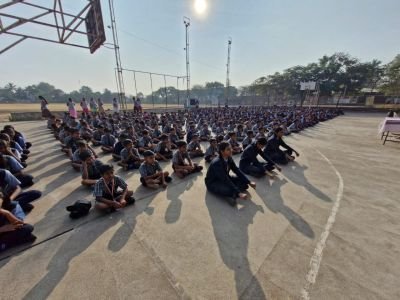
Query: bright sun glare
{"x": 200, "y": 6}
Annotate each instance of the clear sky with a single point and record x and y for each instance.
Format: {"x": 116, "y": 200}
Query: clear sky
{"x": 268, "y": 36}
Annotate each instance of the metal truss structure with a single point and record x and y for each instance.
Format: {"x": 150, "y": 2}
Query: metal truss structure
{"x": 65, "y": 24}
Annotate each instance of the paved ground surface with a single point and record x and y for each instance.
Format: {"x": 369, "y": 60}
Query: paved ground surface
{"x": 337, "y": 207}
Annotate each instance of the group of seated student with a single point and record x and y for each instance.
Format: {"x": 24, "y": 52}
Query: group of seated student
{"x": 134, "y": 138}
{"x": 15, "y": 202}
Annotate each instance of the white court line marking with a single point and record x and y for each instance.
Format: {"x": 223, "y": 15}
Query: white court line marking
{"x": 319, "y": 249}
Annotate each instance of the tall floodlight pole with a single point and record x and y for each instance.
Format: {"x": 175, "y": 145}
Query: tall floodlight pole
{"x": 228, "y": 70}
{"x": 186, "y": 21}
{"x": 120, "y": 77}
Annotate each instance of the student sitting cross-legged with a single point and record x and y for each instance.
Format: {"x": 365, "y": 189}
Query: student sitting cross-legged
{"x": 181, "y": 162}
{"x": 250, "y": 165}
{"x": 13, "y": 230}
{"x": 130, "y": 157}
{"x": 212, "y": 151}
{"x": 152, "y": 175}
{"x": 12, "y": 192}
{"x": 163, "y": 149}
{"x": 82, "y": 147}
{"x": 111, "y": 191}
{"x": 89, "y": 168}
{"x": 194, "y": 147}
{"x": 107, "y": 141}
{"x": 218, "y": 180}
{"x": 119, "y": 146}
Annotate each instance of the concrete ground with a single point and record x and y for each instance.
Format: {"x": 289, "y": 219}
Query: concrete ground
{"x": 326, "y": 228}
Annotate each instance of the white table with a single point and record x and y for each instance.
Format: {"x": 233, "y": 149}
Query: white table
{"x": 389, "y": 126}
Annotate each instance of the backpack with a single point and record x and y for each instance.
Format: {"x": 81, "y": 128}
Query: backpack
{"x": 79, "y": 209}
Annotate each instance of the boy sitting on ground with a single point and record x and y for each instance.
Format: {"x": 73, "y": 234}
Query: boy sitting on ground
{"x": 111, "y": 191}
{"x": 181, "y": 162}
{"x": 236, "y": 149}
{"x": 194, "y": 147}
{"x": 212, "y": 150}
{"x": 152, "y": 175}
{"x": 82, "y": 146}
{"x": 107, "y": 141}
{"x": 145, "y": 142}
{"x": 130, "y": 157}
{"x": 89, "y": 168}
{"x": 97, "y": 134}
{"x": 205, "y": 133}
{"x": 119, "y": 146}
{"x": 248, "y": 139}
{"x": 163, "y": 149}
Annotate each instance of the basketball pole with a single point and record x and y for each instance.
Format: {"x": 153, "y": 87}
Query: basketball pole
{"x": 186, "y": 21}
{"x": 120, "y": 77}
{"x": 228, "y": 69}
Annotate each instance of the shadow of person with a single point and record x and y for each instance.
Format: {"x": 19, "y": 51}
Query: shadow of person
{"x": 295, "y": 173}
{"x": 275, "y": 203}
{"x": 230, "y": 228}
{"x": 174, "y": 208}
{"x": 77, "y": 242}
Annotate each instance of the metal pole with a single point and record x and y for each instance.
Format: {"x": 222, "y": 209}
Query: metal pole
{"x": 186, "y": 21}
{"x": 165, "y": 90}
{"x": 120, "y": 85}
{"x": 228, "y": 67}
{"x": 177, "y": 88}
{"x": 151, "y": 84}
{"x": 134, "y": 78}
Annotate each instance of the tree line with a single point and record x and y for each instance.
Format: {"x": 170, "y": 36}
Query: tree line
{"x": 333, "y": 74}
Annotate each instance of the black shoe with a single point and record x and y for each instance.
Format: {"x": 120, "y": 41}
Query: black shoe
{"x": 26, "y": 151}
{"x": 168, "y": 179}
{"x": 130, "y": 201}
{"x": 28, "y": 145}
{"x": 27, "y": 208}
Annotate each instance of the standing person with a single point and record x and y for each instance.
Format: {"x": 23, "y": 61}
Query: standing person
{"x": 93, "y": 106}
{"x": 100, "y": 104}
{"x": 71, "y": 108}
{"x": 44, "y": 107}
{"x": 115, "y": 105}
{"x": 111, "y": 191}
{"x": 273, "y": 151}
{"x": 85, "y": 107}
{"x": 218, "y": 180}
{"x": 249, "y": 163}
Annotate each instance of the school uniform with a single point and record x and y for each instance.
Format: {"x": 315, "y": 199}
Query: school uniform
{"x": 12, "y": 165}
{"x": 108, "y": 140}
{"x": 210, "y": 152}
{"x": 273, "y": 150}
{"x": 247, "y": 141}
{"x": 146, "y": 170}
{"x": 218, "y": 180}
{"x": 193, "y": 146}
{"x": 132, "y": 163}
{"x": 8, "y": 184}
{"x": 250, "y": 165}
{"x": 109, "y": 191}
{"x": 93, "y": 169}
{"x": 16, "y": 237}
{"x": 162, "y": 149}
